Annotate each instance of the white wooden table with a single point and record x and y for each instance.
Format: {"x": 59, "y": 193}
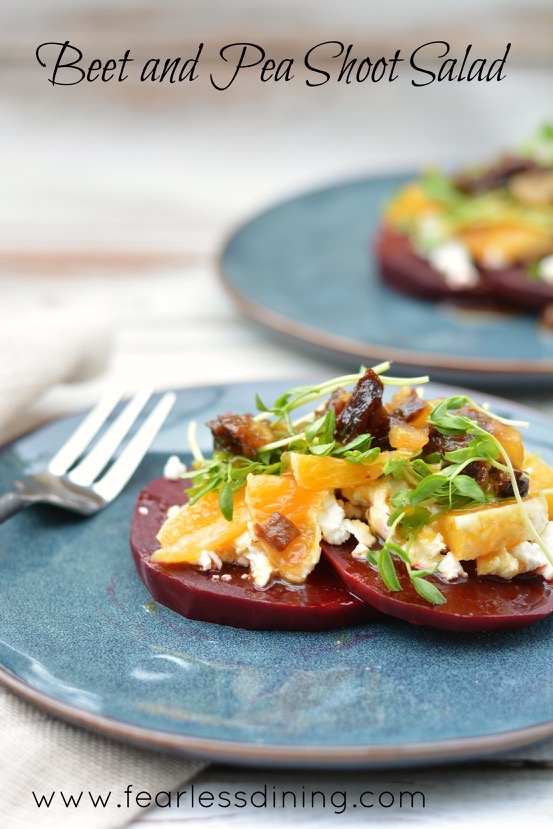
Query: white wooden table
{"x": 118, "y": 199}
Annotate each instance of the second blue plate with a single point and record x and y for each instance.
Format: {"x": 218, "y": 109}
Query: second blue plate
{"x": 305, "y": 268}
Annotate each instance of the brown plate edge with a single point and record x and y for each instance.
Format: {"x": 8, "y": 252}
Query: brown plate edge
{"x": 285, "y": 755}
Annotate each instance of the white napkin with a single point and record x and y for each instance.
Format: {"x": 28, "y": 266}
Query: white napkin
{"x": 40, "y": 349}
{"x": 42, "y": 758}
{"x": 40, "y": 754}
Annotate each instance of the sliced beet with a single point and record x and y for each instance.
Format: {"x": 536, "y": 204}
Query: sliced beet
{"x": 322, "y": 603}
{"x": 508, "y": 287}
{"x": 519, "y": 288}
{"x": 402, "y": 268}
{"x": 473, "y": 605}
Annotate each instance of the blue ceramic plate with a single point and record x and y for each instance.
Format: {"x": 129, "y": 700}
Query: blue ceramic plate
{"x": 305, "y": 269}
{"x": 80, "y": 636}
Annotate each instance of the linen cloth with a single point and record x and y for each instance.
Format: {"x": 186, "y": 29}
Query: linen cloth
{"x": 40, "y": 349}
{"x": 39, "y": 753}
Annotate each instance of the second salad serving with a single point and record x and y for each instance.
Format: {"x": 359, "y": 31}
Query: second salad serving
{"x": 482, "y": 236}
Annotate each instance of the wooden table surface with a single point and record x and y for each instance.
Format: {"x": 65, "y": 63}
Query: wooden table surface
{"x": 118, "y": 197}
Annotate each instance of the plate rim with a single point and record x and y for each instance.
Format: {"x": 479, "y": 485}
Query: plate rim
{"x": 290, "y": 755}
{"x": 285, "y": 755}
{"x": 304, "y": 333}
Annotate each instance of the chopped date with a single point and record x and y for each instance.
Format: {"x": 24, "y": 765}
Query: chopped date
{"x": 503, "y": 484}
{"x": 496, "y": 176}
{"x": 487, "y": 476}
{"x": 364, "y": 412}
{"x": 441, "y": 444}
{"x": 479, "y": 470}
{"x": 336, "y": 402}
{"x": 239, "y": 434}
{"x": 411, "y": 406}
{"x": 279, "y": 531}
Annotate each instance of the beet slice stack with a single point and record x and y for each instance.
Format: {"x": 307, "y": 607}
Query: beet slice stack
{"x": 507, "y": 287}
{"x": 474, "y": 605}
{"x": 340, "y": 592}
{"x": 322, "y": 603}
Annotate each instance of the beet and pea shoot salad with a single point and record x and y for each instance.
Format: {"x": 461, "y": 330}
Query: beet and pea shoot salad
{"x": 332, "y": 506}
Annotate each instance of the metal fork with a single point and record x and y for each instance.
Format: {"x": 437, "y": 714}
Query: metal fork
{"x": 75, "y": 481}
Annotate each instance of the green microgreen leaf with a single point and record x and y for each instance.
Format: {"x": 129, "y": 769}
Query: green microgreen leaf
{"x": 430, "y": 487}
{"x": 468, "y": 488}
{"x": 422, "y": 468}
{"x": 366, "y": 458}
{"x": 395, "y": 467}
{"x": 324, "y": 425}
{"x": 480, "y": 448}
{"x": 400, "y": 499}
{"x": 321, "y": 449}
{"x": 387, "y": 570}
{"x": 372, "y": 557}
{"x": 226, "y": 501}
{"x": 437, "y": 186}
{"x": 433, "y": 458}
{"x": 412, "y": 523}
{"x": 260, "y": 405}
{"x": 533, "y": 270}
{"x": 427, "y": 590}
{"x": 447, "y": 423}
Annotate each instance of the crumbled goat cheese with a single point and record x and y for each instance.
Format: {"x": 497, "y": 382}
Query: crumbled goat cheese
{"x": 174, "y": 468}
{"x": 375, "y": 499}
{"x": 545, "y": 270}
{"x": 532, "y": 557}
{"x": 360, "y": 531}
{"x": 209, "y": 560}
{"x": 352, "y": 510}
{"x": 332, "y": 521}
{"x": 450, "y": 568}
{"x": 379, "y": 511}
{"x": 453, "y": 261}
{"x": 494, "y": 258}
{"x": 360, "y": 552}
{"x": 172, "y": 511}
{"x": 261, "y": 568}
{"x": 143, "y": 510}
{"x": 243, "y": 543}
{"x": 501, "y": 563}
{"x": 426, "y": 548}
{"x": 226, "y": 577}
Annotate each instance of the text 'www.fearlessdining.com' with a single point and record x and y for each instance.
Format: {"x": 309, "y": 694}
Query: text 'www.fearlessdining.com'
{"x": 263, "y": 797}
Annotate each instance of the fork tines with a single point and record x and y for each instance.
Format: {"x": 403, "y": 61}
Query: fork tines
{"x": 87, "y": 469}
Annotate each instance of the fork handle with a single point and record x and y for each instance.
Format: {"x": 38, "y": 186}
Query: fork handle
{"x": 10, "y": 503}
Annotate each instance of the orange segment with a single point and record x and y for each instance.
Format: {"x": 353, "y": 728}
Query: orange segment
{"x": 266, "y": 494}
{"x": 513, "y": 242}
{"x": 411, "y": 201}
{"x": 541, "y": 478}
{"x": 318, "y": 473}
{"x": 480, "y": 531}
{"x": 510, "y": 439}
{"x": 200, "y": 527}
{"x": 405, "y": 436}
